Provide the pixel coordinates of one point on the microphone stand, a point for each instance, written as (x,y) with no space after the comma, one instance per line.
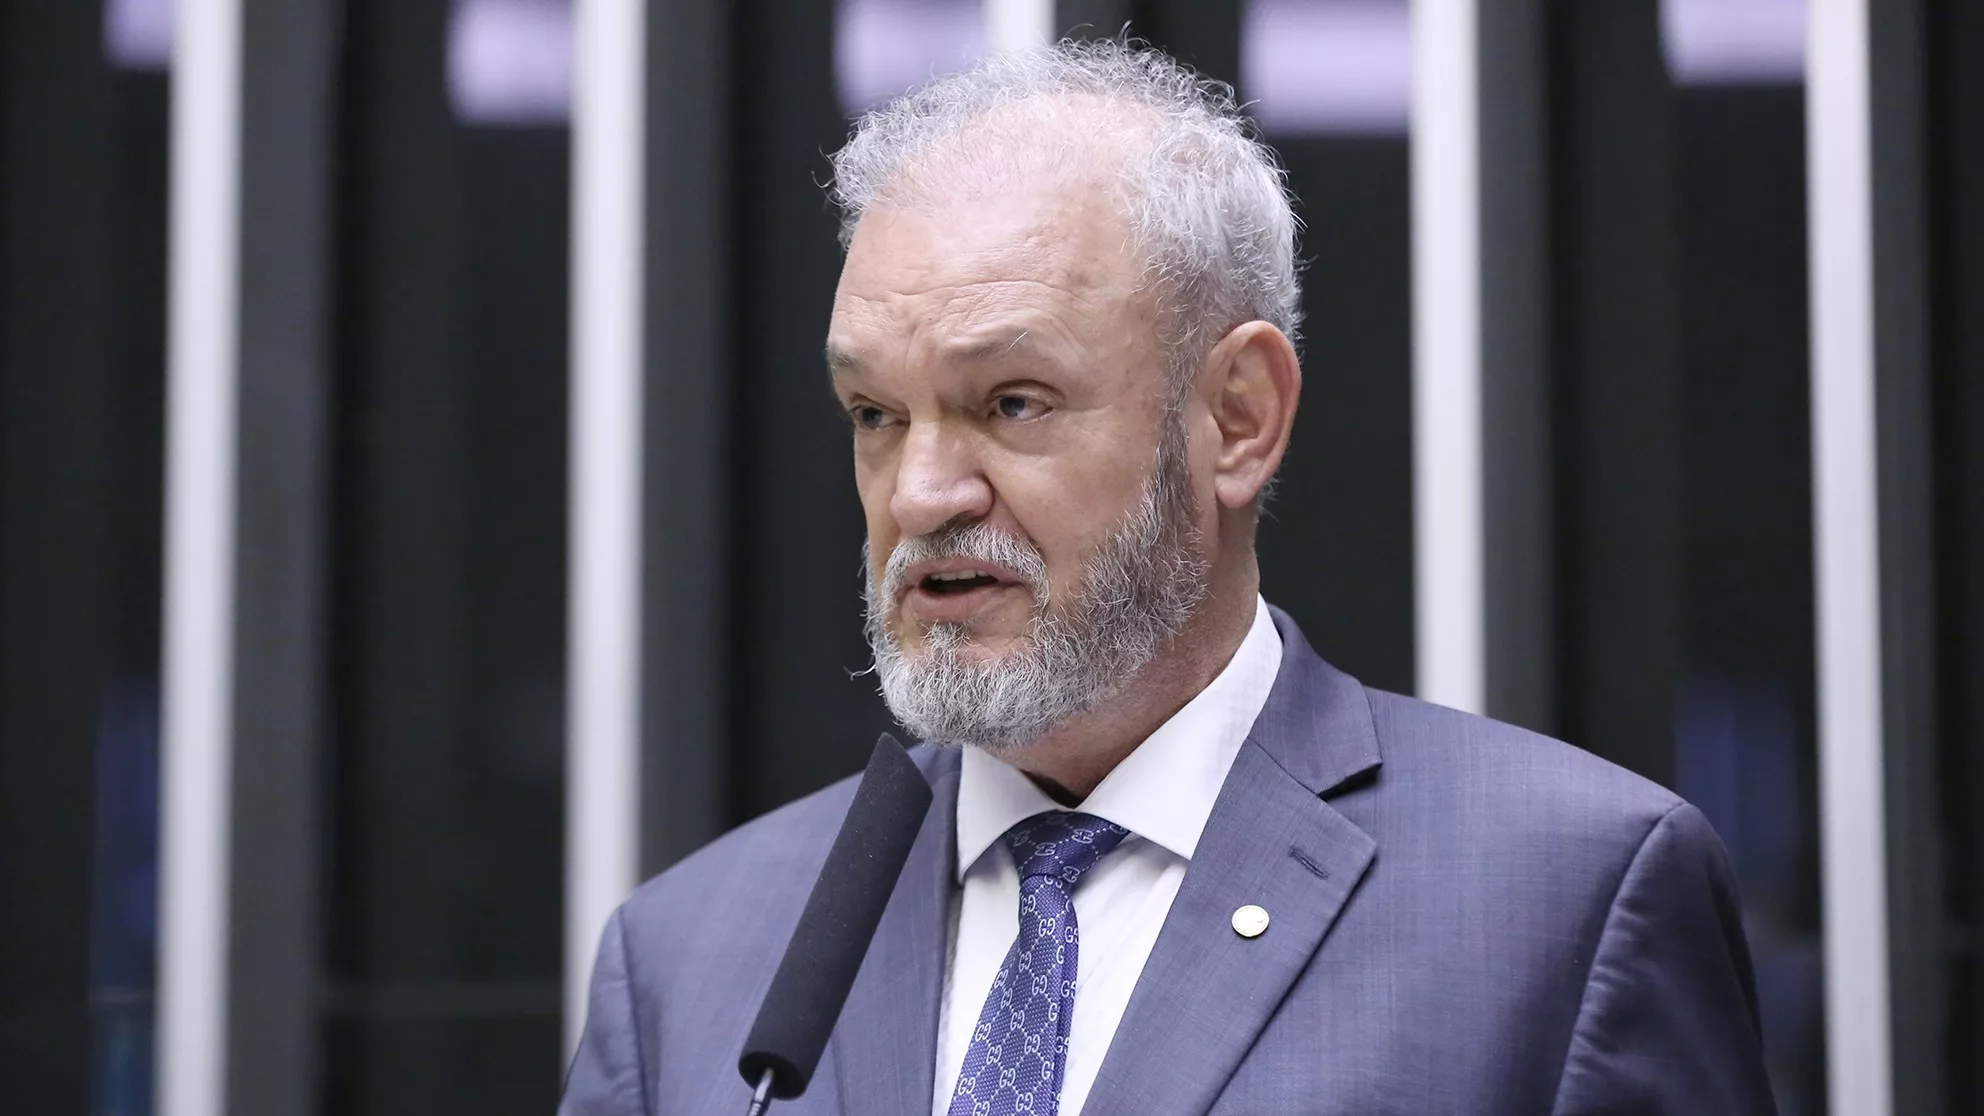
(761,1097)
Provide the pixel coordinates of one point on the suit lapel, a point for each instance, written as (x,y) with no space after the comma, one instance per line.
(885,1045)
(1206,992)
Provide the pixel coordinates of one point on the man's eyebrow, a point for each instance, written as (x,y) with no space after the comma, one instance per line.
(840,360)
(974,351)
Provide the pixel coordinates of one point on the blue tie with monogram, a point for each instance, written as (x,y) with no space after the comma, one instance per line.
(1019,1048)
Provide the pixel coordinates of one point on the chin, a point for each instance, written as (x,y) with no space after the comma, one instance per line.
(969,649)
(968,641)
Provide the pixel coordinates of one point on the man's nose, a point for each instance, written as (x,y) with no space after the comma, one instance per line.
(938,480)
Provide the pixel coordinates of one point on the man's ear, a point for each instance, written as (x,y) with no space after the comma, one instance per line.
(1254,382)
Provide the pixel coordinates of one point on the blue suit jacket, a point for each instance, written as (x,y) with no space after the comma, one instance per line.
(1467,918)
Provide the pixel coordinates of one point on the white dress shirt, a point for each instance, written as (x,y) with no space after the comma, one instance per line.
(1162,793)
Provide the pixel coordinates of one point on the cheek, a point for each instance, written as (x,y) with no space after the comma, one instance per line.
(1068,512)
(882,542)
(875,485)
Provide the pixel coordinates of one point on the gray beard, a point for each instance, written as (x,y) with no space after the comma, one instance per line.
(1136,593)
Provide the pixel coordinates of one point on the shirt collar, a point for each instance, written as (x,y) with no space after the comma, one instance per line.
(1165,789)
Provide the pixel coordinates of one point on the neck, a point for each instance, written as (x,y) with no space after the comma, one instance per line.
(1072,759)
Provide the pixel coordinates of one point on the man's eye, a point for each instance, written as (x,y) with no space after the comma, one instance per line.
(1017,407)
(869,418)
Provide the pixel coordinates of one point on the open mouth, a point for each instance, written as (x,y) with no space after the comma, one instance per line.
(958,583)
(959,591)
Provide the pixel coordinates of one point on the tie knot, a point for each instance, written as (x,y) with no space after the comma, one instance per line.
(1061,845)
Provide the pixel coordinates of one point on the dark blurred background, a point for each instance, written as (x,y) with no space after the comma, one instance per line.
(399,789)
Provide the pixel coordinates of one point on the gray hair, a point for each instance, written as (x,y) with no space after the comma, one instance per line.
(1205,199)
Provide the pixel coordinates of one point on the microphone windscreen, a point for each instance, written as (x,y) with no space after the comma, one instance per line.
(833,932)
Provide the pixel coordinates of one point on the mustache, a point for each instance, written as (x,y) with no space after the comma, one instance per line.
(967,540)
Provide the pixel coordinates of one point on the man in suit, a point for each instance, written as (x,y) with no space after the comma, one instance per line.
(1178,865)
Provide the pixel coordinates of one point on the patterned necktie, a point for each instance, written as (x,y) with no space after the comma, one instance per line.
(1020,1045)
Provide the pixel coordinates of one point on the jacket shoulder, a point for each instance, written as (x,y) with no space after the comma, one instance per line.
(760,872)
(767,857)
(1510,777)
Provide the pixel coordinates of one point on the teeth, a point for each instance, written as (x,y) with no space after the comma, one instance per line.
(962,575)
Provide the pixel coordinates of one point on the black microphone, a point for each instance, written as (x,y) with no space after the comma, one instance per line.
(832,936)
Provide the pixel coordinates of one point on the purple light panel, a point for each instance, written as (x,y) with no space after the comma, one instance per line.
(1734,42)
(137,34)
(883,47)
(1328,67)
(510,61)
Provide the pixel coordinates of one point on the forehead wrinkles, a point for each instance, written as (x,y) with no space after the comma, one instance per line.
(966,319)
(1044,236)
(957,268)
(1054,259)
(962,313)
(945,322)
(1005,208)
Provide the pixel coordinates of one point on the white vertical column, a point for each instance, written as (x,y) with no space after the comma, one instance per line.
(1846,565)
(603,697)
(1449,625)
(1018,24)
(196,756)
